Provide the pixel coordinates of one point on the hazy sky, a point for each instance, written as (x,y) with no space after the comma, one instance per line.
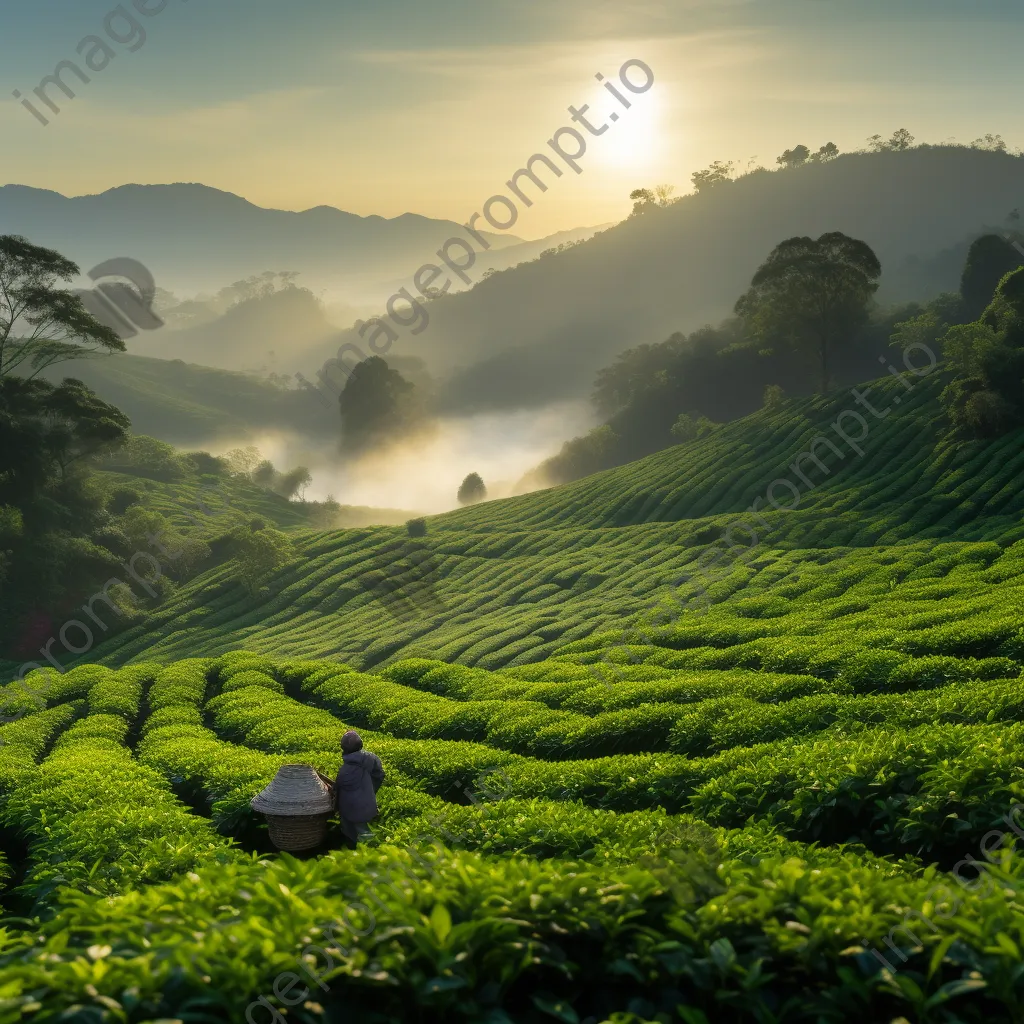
(388,106)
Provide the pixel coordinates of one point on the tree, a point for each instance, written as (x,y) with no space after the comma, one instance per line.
(794,157)
(244,462)
(377,405)
(826,154)
(989,260)
(184,554)
(39,323)
(472,490)
(987,394)
(993,143)
(774,396)
(717,174)
(146,456)
(647,199)
(46,428)
(690,428)
(258,553)
(813,293)
(901,140)
(293,482)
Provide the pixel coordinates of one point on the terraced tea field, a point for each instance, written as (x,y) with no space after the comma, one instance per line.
(634,773)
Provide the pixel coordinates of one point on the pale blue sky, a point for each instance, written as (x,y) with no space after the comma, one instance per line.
(389,106)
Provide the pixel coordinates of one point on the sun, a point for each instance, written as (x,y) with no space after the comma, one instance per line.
(634,140)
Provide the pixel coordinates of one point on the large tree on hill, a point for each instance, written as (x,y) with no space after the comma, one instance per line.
(814,293)
(41,324)
(377,405)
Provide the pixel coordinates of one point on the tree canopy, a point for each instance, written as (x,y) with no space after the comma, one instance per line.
(718,173)
(647,199)
(989,260)
(472,490)
(41,324)
(986,397)
(794,157)
(377,405)
(814,293)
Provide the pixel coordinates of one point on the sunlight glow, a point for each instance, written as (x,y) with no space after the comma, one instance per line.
(635,141)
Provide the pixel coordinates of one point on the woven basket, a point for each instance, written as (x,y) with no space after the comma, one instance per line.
(297,805)
(298,832)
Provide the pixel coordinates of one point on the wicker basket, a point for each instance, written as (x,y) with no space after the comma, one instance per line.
(297,805)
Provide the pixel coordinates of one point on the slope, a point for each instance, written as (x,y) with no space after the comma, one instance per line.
(513,581)
(189,404)
(538,332)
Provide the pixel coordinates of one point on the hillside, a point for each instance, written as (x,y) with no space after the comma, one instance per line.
(626,771)
(538,332)
(189,404)
(517,579)
(267,333)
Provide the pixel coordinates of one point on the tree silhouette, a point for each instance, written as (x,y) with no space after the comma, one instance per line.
(376,405)
(472,490)
(989,260)
(900,141)
(717,174)
(647,199)
(41,324)
(794,157)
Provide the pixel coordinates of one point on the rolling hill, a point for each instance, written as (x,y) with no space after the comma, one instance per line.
(538,332)
(634,772)
(189,404)
(518,579)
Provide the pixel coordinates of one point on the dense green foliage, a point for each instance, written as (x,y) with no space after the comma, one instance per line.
(809,298)
(986,397)
(508,879)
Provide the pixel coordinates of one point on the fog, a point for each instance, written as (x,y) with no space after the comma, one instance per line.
(422,475)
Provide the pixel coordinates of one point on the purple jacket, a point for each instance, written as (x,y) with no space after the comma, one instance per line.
(359,778)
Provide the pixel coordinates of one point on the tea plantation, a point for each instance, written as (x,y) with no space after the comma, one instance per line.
(642,765)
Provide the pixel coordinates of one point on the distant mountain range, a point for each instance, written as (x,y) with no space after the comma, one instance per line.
(537,332)
(197,239)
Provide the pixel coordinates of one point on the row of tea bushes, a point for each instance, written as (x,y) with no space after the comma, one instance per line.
(523,726)
(24,741)
(621,681)
(98,821)
(934,790)
(734,721)
(387,935)
(216,777)
(121,692)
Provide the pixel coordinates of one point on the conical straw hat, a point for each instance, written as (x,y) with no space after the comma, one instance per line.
(296,790)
